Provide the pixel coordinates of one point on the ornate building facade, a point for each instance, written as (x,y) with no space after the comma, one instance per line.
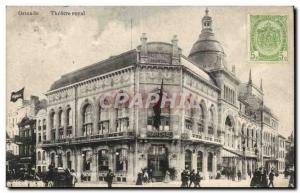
(223,132)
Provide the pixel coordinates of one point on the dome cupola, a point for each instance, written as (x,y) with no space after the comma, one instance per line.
(207,51)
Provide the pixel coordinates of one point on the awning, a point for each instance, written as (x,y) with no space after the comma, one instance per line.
(226,153)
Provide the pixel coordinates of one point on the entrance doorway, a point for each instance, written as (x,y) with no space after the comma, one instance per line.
(158,161)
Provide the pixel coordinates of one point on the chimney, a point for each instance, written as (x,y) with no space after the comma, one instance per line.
(144,52)
(175,53)
(233,69)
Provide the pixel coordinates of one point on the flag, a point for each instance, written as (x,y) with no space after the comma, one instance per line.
(157,108)
(17,95)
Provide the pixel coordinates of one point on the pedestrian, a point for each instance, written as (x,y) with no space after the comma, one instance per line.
(150,175)
(74,178)
(292,179)
(239,174)
(271,178)
(109,178)
(184,178)
(139,180)
(167,177)
(250,173)
(145,176)
(198,179)
(264,180)
(192,178)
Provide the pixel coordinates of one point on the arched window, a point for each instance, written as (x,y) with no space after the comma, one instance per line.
(188,159)
(52,159)
(69,161)
(60,124)
(121,160)
(122,116)
(39,125)
(201,120)
(69,117)
(44,156)
(39,156)
(211,122)
(229,129)
(44,124)
(87,120)
(52,120)
(102,160)
(87,159)
(53,132)
(189,113)
(199,161)
(209,161)
(103,114)
(59,160)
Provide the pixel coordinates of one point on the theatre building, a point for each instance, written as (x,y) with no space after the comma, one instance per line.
(84,136)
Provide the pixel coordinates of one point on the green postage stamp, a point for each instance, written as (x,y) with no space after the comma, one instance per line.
(268,38)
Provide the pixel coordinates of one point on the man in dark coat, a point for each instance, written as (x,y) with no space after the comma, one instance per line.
(198,178)
(264,180)
(109,178)
(239,174)
(271,178)
(192,178)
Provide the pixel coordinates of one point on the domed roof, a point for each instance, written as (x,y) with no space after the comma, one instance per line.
(206,43)
(207,50)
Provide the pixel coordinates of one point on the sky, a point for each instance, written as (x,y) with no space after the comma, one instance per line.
(43,47)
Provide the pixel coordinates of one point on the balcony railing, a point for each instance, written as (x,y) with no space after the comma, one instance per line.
(160,134)
(90,138)
(199,136)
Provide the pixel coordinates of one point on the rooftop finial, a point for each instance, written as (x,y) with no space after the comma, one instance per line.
(206,11)
(174,39)
(250,77)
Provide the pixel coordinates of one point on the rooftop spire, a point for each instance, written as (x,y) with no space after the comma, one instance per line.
(206,22)
(250,77)
(206,12)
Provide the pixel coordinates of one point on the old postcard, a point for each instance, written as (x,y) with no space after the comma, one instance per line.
(150,97)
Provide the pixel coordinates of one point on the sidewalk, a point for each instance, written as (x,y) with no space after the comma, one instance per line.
(278,182)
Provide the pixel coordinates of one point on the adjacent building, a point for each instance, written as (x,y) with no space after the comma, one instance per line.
(231,129)
(22,133)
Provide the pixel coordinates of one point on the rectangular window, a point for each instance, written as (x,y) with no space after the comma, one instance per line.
(69,131)
(201,126)
(87,129)
(53,134)
(61,133)
(40,138)
(188,125)
(103,127)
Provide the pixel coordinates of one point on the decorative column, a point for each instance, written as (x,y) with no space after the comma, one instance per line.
(64,159)
(130,172)
(64,118)
(214,166)
(79,162)
(96,119)
(56,124)
(194,160)
(205,173)
(94,165)
(73,158)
